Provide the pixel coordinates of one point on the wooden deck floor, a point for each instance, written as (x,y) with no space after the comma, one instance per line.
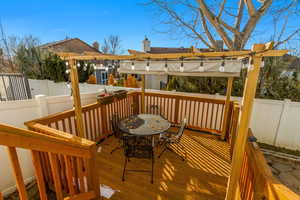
(202,176)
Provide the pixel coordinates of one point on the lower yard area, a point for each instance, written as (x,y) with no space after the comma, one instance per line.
(203,175)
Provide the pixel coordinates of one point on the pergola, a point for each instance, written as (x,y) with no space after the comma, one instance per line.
(255,56)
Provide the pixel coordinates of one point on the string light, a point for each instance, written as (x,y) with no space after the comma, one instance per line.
(132,66)
(181,66)
(222,68)
(148,66)
(245,63)
(67,63)
(166,66)
(78,64)
(106,68)
(201,67)
(85,67)
(67,71)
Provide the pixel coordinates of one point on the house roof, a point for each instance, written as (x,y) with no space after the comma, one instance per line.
(73,45)
(157,50)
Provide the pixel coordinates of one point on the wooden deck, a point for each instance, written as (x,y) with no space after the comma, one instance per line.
(202,176)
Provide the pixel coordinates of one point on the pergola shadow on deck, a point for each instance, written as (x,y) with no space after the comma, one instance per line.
(203,175)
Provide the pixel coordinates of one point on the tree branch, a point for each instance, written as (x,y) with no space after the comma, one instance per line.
(239,15)
(251,24)
(250,7)
(287,38)
(207,32)
(173,14)
(212,19)
(221,9)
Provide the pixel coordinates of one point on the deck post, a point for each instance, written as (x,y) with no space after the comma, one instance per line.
(76,98)
(143,92)
(227,106)
(243,125)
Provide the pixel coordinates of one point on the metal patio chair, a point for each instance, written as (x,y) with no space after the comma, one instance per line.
(138,147)
(118,134)
(170,138)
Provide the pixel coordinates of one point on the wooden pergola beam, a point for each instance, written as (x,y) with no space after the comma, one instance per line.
(146,56)
(233,191)
(76,98)
(227,106)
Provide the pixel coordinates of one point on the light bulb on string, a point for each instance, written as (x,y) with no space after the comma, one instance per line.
(201,67)
(222,67)
(245,63)
(181,66)
(148,66)
(85,67)
(78,64)
(132,66)
(67,71)
(106,68)
(166,66)
(67,63)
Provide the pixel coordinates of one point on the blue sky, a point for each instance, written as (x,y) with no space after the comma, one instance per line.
(90,20)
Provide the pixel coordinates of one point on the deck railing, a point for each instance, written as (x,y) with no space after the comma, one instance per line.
(202,114)
(96,117)
(61,161)
(257,181)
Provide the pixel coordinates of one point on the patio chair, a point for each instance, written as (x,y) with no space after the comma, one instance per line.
(117,132)
(170,138)
(141,148)
(154,109)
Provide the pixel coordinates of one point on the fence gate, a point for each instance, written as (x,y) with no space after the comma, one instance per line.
(14,87)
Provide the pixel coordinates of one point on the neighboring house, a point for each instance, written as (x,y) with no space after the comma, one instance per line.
(76,45)
(293,67)
(72,45)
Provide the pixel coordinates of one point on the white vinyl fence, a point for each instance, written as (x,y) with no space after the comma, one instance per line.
(273,122)
(16,113)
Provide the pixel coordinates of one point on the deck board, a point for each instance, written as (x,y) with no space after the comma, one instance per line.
(202,176)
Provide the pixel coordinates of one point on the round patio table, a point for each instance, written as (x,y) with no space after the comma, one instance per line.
(144,125)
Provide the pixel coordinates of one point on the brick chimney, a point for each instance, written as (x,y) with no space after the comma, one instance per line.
(146,45)
(96,45)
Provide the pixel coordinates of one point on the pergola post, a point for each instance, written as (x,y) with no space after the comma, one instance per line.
(143,92)
(76,98)
(233,190)
(227,106)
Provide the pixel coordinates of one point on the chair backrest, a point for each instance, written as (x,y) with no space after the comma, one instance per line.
(181,130)
(154,109)
(138,147)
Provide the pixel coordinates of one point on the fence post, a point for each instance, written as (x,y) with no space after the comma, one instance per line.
(283,116)
(43,106)
(27,87)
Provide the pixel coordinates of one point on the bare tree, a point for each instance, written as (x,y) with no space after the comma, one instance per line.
(112,45)
(206,21)
(7,54)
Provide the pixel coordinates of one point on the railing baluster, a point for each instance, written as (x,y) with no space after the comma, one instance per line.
(17,172)
(69,175)
(56,176)
(36,159)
